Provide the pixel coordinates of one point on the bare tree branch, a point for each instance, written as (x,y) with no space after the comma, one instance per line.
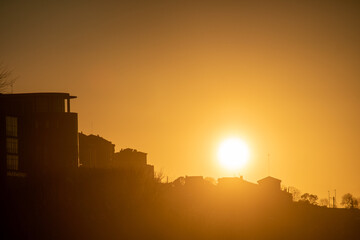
(5,79)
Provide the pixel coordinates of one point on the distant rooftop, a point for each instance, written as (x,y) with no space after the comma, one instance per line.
(128,150)
(269,179)
(95,137)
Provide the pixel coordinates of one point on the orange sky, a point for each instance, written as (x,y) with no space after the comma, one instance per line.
(174,78)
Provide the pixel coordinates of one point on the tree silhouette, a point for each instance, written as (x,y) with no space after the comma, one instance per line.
(348,201)
(324,202)
(309,198)
(159,176)
(5,80)
(296,193)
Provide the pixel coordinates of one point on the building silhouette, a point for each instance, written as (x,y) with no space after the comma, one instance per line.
(268,189)
(270,183)
(194,181)
(131,160)
(95,151)
(130,156)
(235,181)
(271,191)
(38,135)
(98,153)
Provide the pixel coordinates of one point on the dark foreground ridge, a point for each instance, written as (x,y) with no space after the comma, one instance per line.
(59,184)
(104,204)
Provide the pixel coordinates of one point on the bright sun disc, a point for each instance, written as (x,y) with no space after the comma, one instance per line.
(233,154)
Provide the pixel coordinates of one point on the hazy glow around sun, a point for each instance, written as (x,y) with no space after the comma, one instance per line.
(233,153)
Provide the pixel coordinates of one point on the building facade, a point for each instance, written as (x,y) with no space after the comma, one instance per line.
(38,135)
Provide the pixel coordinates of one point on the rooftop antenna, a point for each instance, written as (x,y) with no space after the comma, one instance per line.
(334,201)
(268,164)
(329,199)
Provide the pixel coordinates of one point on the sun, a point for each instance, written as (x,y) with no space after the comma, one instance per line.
(233,154)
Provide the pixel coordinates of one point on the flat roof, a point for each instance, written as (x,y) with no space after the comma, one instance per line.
(42,94)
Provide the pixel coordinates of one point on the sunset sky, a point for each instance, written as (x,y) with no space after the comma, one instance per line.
(176,78)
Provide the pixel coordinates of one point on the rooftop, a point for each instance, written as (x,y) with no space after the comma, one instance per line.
(269,179)
(39,94)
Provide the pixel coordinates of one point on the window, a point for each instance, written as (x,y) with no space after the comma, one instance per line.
(12,145)
(12,162)
(11,126)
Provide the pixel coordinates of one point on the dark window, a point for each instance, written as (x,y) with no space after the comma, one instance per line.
(11,126)
(12,162)
(12,145)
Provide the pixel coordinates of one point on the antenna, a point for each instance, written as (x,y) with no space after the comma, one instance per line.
(329,199)
(334,201)
(268,164)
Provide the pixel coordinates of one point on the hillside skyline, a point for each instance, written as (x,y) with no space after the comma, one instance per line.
(176,79)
